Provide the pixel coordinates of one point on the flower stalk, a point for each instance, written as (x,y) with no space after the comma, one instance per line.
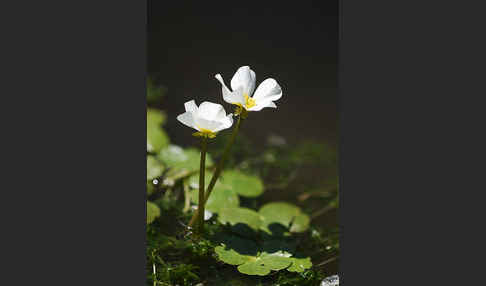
(216,174)
(202,168)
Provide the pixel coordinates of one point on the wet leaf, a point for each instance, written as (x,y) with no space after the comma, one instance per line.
(243,184)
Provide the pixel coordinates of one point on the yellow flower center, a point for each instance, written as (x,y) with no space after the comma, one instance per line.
(249,102)
(204,133)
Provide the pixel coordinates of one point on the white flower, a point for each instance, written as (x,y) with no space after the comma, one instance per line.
(243,85)
(209,118)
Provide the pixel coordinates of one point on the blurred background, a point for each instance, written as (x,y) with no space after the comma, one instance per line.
(190,42)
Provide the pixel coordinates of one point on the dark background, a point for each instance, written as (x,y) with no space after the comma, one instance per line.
(190,42)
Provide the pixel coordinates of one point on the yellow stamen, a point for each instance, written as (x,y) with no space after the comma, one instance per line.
(249,102)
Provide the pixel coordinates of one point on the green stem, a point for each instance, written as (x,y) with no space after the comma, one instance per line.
(202,168)
(218,170)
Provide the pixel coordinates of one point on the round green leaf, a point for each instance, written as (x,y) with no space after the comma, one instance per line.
(300,264)
(153,212)
(300,223)
(235,250)
(237,215)
(230,256)
(243,184)
(263,264)
(283,214)
(274,255)
(154,168)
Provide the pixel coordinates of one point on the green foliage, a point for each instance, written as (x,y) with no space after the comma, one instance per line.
(252,259)
(300,264)
(154,168)
(284,214)
(274,238)
(240,218)
(153,212)
(222,196)
(156,137)
(180,160)
(243,184)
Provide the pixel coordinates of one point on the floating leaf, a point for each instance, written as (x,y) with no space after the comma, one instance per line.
(263,264)
(281,213)
(181,160)
(237,216)
(300,264)
(153,212)
(244,252)
(243,184)
(156,137)
(154,168)
(251,260)
(236,251)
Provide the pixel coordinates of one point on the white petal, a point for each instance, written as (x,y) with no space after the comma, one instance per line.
(211,111)
(244,78)
(260,105)
(210,125)
(187,119)
(226,122)
(190,106)
(229,96)
(268,90)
